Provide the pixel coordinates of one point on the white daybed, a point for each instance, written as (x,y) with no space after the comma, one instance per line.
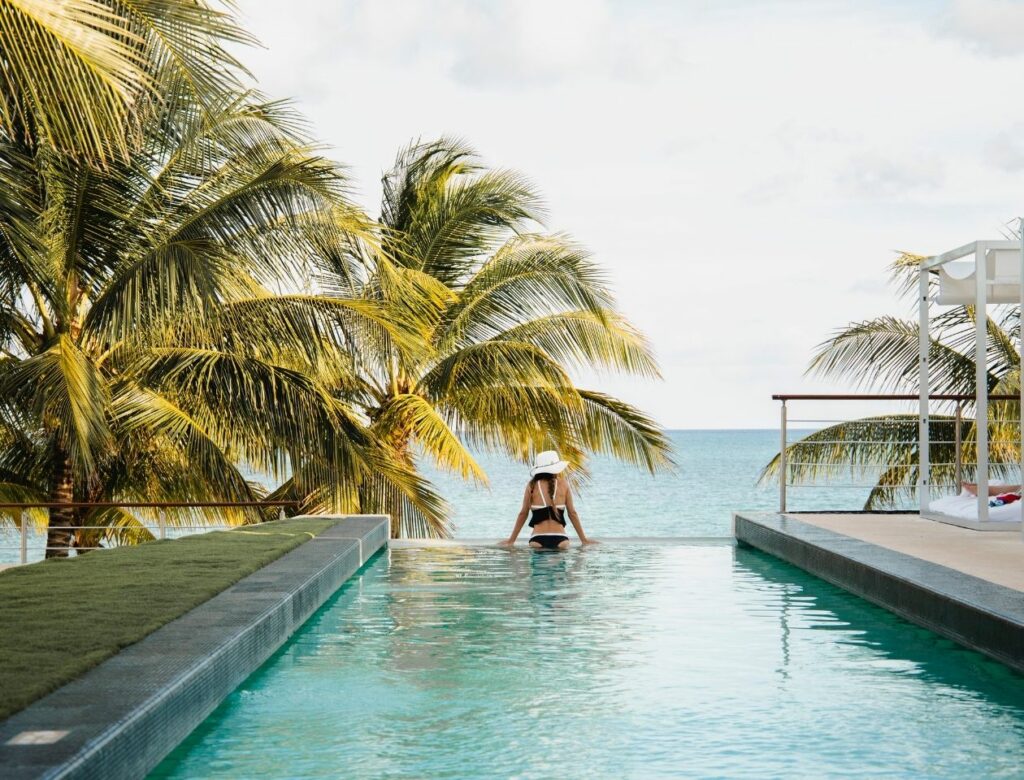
(962,510)
(975,274)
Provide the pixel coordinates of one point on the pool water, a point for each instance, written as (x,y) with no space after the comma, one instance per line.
(620,660)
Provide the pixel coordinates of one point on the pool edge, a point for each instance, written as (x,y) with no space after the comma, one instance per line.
(973,612)
(125,715)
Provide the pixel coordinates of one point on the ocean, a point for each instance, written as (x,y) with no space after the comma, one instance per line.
(716,475)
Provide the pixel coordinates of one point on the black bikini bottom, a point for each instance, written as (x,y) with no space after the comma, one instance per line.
(549,541)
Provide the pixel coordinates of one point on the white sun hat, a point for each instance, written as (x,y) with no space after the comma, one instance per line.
(547,462)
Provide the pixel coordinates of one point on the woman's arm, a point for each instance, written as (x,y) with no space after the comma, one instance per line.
(570,507)
(993,490)
(524,510)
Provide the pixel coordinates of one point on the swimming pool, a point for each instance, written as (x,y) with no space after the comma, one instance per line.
(613,661)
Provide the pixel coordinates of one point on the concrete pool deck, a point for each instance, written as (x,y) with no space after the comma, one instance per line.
(963,584)
(996,556)
(121,718)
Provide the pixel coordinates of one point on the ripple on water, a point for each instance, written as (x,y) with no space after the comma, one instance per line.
(639,661)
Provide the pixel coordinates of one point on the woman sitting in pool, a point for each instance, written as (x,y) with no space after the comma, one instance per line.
(547,500)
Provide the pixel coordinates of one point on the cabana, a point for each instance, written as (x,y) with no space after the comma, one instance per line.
(976,274)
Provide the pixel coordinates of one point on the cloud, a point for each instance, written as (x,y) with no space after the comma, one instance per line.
(871,174)
(1005,150)
(873,285)
(514,45)
(741,169)
(773,188)
(994,27)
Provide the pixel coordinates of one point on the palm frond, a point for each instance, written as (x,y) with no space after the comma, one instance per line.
(63,389)
(581,339)
(113,525)
(883,353)
(79,75)
(408,417)
(491,365)
(529,276)
(613,427)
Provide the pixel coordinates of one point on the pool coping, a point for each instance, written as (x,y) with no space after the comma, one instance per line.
(522,542)
(972,611)
(121,718)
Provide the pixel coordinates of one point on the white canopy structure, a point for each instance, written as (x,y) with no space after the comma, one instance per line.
(975,274)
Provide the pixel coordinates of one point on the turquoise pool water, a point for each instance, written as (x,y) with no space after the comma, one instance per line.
(681,660)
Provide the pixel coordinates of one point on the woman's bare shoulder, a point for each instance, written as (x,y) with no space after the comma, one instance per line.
(563,488)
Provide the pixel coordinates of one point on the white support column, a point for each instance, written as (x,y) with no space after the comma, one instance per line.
(1020,352)
(924,388)
(981,374)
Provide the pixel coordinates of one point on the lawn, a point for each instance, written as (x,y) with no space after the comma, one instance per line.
(60,618)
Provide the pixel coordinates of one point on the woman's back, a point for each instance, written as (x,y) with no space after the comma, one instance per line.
(547,493)
(547,504)
(547,501)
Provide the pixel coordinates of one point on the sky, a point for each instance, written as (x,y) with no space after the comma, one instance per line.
(745,171)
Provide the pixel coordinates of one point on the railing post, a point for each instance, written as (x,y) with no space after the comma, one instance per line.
(24,536)
(783,476)
(1020,351)
(958,460)
(981,374)
(924,389)
(162,523)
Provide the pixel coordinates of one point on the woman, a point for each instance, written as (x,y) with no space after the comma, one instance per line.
(547,500)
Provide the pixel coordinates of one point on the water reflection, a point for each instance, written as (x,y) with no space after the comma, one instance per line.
(628,661)
(805,604)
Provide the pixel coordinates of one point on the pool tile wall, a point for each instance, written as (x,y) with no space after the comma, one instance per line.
(121,718)
(976,613)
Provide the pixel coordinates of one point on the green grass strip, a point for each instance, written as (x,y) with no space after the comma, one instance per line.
(60,618)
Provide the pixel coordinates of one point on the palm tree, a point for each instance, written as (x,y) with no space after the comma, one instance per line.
(881,355)
(145,355)
(502,315)
(81,76)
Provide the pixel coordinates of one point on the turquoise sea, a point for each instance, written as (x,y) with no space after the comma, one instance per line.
(717,474)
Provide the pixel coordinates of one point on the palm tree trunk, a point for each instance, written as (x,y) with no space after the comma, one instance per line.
(59,535)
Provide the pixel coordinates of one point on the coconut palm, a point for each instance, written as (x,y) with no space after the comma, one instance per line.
(881,355)
(503,315)
(80,76)
(145,356)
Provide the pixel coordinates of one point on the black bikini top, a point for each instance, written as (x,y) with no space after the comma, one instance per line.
(538,514)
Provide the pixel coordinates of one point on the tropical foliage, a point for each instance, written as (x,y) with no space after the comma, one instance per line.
(81,76)
(881,355)
(501,316)
(187,295)
(146,358)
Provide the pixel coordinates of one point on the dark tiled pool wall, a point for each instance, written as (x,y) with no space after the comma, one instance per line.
(124,716)
(974,612)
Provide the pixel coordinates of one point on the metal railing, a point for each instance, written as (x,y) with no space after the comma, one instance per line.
(956,404)
(158,530)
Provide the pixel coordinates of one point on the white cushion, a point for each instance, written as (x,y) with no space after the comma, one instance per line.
(965,507)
